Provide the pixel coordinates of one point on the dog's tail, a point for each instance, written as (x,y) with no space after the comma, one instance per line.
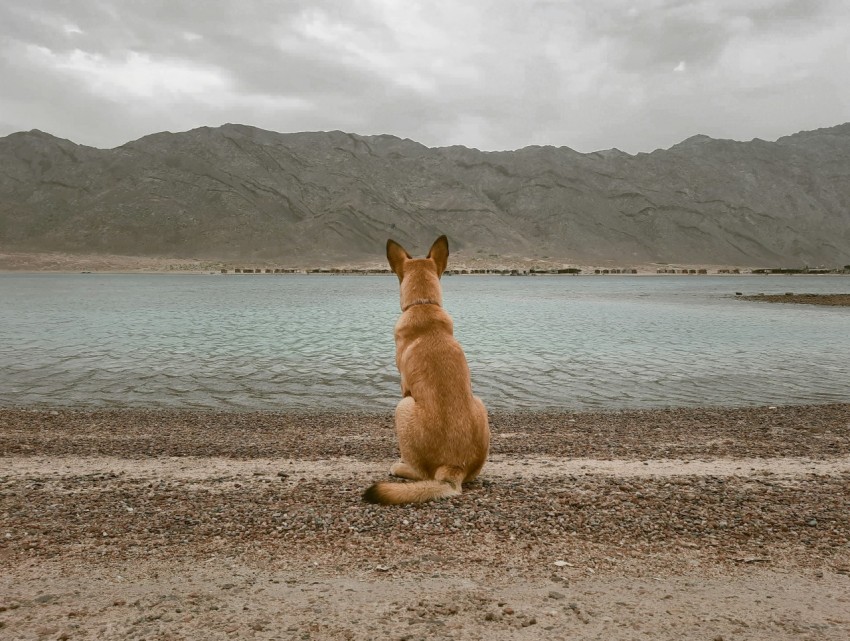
(446,482)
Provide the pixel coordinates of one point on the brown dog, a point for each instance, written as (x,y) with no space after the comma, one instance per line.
(443,434)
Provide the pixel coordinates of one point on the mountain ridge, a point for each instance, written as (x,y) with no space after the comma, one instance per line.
(238,192)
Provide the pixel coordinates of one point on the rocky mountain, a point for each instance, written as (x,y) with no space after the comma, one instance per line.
(237,192)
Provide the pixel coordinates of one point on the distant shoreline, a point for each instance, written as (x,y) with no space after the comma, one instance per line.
(58,262)
(830,300)
(376,272)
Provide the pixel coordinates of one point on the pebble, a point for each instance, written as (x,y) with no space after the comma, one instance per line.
(46,631)
(44,599)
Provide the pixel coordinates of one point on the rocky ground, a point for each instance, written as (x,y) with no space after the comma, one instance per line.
(676,524)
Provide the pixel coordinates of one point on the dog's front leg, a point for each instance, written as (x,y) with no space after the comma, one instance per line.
(405,390)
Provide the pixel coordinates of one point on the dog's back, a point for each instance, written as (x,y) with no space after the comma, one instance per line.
(442,427)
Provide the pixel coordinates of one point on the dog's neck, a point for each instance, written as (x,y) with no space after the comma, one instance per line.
(420,301)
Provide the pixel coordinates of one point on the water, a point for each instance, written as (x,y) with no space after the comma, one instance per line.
(325,342)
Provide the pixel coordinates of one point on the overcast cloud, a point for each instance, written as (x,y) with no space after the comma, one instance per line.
(588,74)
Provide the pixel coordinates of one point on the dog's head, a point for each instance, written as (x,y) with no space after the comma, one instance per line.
(419,278)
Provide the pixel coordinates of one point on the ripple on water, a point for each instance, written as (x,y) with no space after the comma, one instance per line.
(319,342)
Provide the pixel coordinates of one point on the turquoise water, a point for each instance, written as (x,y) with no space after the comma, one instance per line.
(317,342)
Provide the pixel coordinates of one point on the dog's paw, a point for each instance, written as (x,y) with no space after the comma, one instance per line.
(404,471)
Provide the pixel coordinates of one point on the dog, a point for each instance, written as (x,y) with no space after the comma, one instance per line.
(443,431)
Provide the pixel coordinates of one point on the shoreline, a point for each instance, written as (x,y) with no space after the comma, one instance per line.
(738,431)
(830,300)
(61,263)
(687,523)
(461,272)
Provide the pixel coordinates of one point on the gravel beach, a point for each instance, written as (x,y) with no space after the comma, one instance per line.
(669,524)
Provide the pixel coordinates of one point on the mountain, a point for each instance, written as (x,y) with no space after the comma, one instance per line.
(238,192)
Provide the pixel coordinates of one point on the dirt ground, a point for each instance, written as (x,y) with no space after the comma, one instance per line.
(676,524)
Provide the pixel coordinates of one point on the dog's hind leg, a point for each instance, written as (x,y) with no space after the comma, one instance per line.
(406,471)
(451,475)
(408,429)
(484,434)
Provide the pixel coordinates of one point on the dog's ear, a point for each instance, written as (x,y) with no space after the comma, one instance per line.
(440,254)
(396,255)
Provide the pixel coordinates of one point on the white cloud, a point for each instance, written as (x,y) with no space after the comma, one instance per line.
(354,47)
(398,43)
(132,75)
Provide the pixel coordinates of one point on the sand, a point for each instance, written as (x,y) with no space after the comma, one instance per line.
(677,524)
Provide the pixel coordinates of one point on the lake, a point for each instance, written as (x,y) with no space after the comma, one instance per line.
(322,342)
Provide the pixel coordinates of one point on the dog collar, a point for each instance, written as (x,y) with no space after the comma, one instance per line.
(421,301)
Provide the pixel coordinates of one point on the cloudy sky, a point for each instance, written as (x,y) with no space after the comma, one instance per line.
(588,74)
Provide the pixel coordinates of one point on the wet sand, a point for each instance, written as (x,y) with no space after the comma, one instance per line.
(674,524)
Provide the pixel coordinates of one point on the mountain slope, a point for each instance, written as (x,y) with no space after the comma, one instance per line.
(240,192)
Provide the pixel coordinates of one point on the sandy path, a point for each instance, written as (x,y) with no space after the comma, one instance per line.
(221,600)
(498,467)
(183,525)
